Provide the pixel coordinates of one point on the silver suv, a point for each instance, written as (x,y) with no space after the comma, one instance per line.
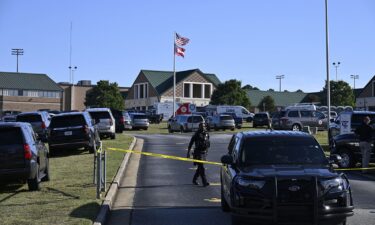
(185,123)
(221,121)
(296,119)
(104,120)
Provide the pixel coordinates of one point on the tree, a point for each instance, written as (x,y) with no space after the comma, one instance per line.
(230,93)
(267,104)
(341,94)
(271,89)
(105,94)
(299,90)
(312,98)
(249,87)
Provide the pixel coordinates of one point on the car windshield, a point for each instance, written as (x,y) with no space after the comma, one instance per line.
(100,115)
(67,121)
(29,118)
(260,116)
(226,117)
(139,117)
(282,150)
(10,136)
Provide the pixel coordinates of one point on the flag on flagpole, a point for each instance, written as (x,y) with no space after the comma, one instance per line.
(181,40)
(179,51)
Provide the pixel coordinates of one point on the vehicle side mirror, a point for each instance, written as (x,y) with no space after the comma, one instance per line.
(332,120)
(335,159)
(227,159)
(337,121)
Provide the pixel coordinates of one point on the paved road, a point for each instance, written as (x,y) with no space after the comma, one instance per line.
(159,191)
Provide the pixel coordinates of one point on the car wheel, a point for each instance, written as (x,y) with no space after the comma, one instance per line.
(216,128)
(296,127)
(33,183)
(170,129)
(46,171)
(182,129)
(224,204)
(232,129)
(113,136)
(254,126)
(347,160)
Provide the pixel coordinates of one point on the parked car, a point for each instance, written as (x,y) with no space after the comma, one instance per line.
(238,120)
(283,177)
(9,118)
(343,140)
(261,119)
(185,123)
(75,130)
(296,119)
(22,156)
(39,121)
(104,121)
(153,117)
(139,121)
(276,119)
(222,121)
(123,120)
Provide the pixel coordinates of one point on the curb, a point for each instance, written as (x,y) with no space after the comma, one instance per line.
(106,206)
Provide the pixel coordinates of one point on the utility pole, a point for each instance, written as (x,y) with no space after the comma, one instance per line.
(279,77)
(354,77)
(17,52)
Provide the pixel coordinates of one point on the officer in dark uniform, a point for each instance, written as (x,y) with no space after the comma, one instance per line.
(201,140)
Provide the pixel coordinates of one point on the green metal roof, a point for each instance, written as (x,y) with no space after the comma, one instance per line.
(163,80)
(281,98)
(27,81)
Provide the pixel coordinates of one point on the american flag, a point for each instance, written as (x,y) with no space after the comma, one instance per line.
(181,40)
(179,51)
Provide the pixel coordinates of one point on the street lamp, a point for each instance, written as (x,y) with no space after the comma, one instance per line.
(354,77)
(279,77)
(72,69)
(336,65)
(17,52)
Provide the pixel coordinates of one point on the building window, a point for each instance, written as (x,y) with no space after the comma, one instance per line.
(10,92)
(207,91)
(197,90)
(187,90)
(141,91)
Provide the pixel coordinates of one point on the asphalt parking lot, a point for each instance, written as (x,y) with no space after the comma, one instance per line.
(159,191)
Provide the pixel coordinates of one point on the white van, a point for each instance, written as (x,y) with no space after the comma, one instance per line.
(240,111)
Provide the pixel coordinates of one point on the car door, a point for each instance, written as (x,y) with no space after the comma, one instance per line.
(230,171)
(37,144)
(306,118)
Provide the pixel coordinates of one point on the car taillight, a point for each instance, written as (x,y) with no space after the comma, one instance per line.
(122,120)
(43,125)
(27,151)
(86,129)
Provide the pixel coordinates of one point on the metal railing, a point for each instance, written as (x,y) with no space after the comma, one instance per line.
(99,172)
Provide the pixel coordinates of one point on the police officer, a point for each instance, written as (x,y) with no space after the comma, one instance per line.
(364,131)
(201,140)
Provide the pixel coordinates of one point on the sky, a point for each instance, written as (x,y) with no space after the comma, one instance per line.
(248,40)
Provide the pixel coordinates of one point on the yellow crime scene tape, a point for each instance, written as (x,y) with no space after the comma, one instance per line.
(202,161)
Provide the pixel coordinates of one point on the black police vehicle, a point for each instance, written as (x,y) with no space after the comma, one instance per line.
(282,177)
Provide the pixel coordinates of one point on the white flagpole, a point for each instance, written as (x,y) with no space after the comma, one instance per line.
(174,74)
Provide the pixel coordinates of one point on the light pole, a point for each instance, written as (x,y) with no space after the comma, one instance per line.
(17,52)
(72,69)
(279,77)
(327,65)
(336,65)
(354,77)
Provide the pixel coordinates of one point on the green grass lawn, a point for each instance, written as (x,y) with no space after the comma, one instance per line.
(69,198)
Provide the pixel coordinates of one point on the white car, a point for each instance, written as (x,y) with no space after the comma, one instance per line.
(104,121)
